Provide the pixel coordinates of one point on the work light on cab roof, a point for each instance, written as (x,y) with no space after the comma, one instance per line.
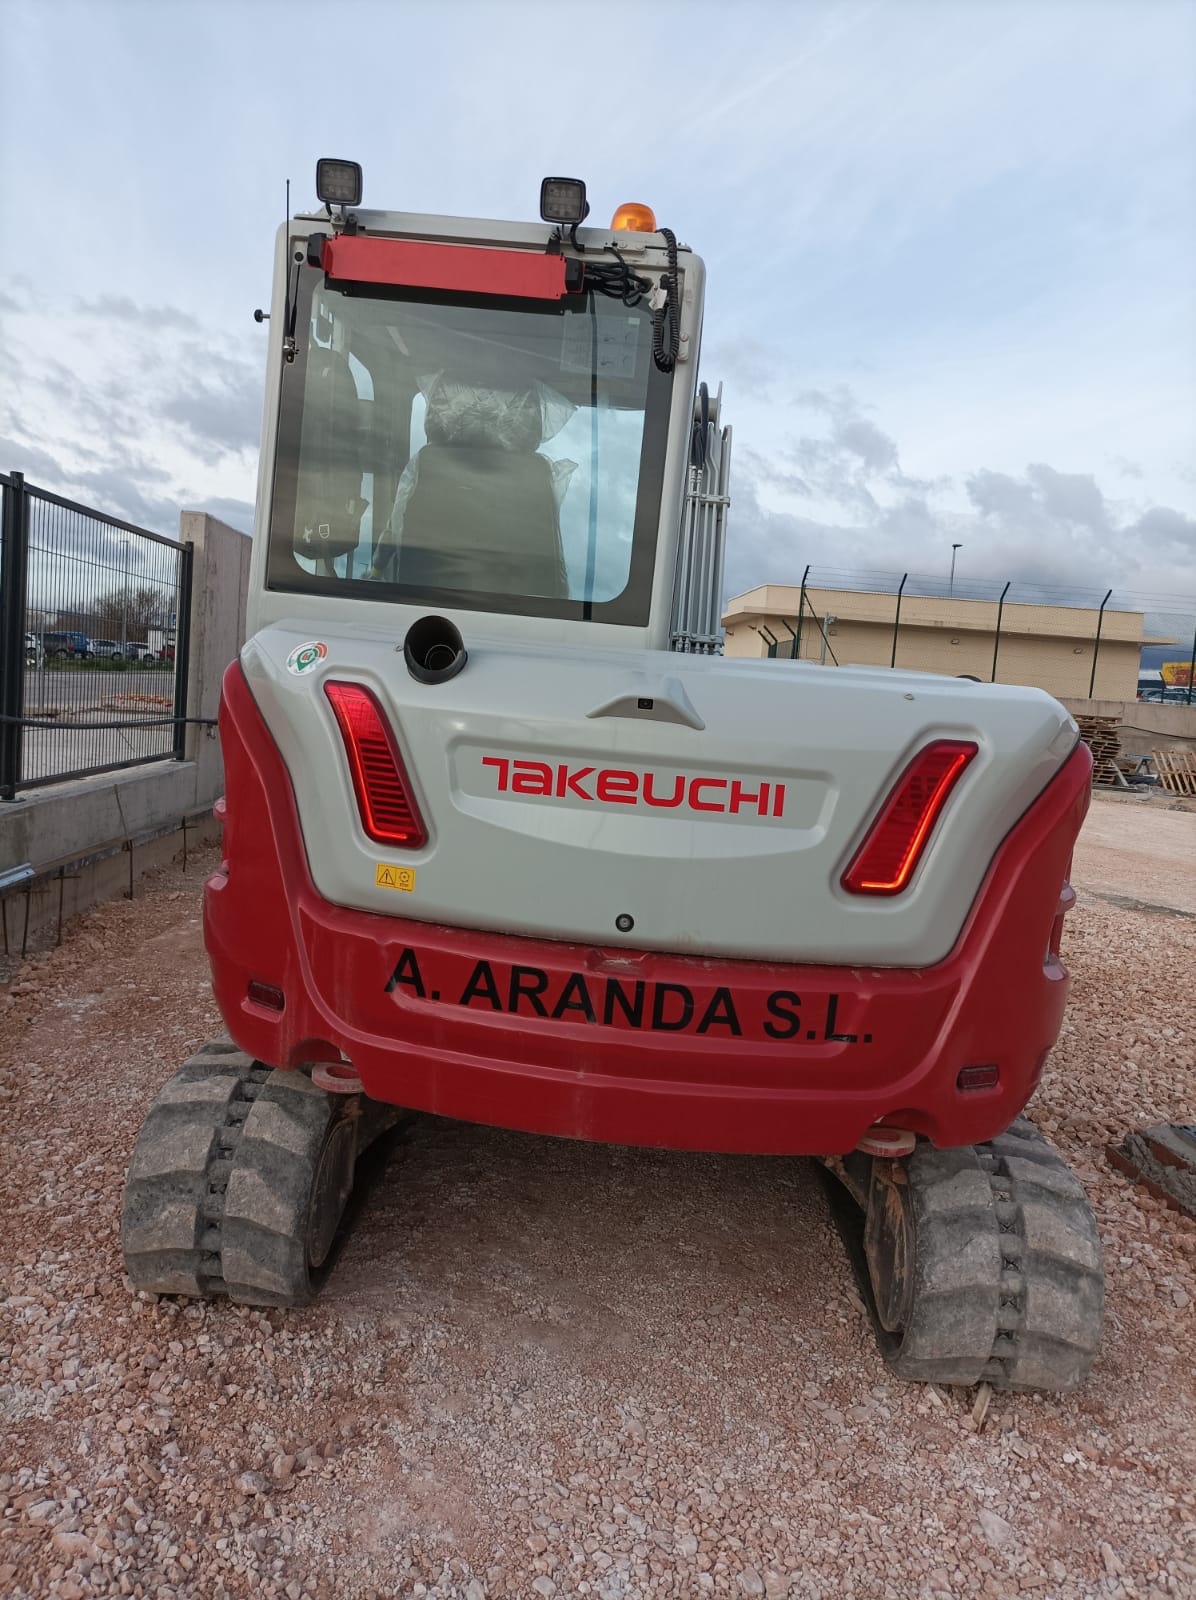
(338,183)
(563,201)
(506,840)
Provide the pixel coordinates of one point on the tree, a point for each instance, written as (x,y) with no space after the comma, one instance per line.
(136,609)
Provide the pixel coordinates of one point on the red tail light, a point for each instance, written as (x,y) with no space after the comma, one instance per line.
(885,861)
(388,813)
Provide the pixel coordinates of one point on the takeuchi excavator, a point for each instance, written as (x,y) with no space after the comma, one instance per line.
(507,839)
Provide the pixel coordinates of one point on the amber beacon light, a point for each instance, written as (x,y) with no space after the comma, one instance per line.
(634,218)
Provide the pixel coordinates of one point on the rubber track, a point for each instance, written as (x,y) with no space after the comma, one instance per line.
(1051,1299)
(1008,1287)
(218,1191)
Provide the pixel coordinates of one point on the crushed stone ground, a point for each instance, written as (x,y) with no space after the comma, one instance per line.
(544,1368)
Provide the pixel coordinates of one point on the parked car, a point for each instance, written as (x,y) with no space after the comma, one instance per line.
(166,653)
(33,649)
(106,649)
(66,645)
(1171,695)
(138,650)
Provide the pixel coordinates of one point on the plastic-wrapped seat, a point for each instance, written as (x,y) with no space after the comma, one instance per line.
(477,507)
(484,520)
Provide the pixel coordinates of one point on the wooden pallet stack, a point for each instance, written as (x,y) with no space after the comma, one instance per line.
(1101,736)
(1176,770)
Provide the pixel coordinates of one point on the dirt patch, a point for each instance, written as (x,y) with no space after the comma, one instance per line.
(1139,850)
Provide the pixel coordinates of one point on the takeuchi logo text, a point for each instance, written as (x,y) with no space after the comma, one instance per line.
(620,786)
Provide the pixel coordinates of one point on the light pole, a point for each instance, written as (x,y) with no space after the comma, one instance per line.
(951,584)
(124,606)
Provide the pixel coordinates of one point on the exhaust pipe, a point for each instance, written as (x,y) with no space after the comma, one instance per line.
(434,650)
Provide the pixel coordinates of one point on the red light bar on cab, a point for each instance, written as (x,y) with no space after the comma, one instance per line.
(384,800)
(885,862)
(453,268)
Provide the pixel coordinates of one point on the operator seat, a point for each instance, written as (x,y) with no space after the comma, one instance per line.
(480,511)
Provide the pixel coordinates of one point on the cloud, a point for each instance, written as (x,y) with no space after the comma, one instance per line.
(874,448)
(1169,529)
(137,492)
(746,365)
(1042,500)
(1071,497)
(219,416)
(119,308)
(997,494)
(853,464)
(139,410)
(850,511)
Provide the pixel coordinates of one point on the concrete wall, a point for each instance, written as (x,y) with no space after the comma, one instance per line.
(218,595)
(145,806)
(1145,725)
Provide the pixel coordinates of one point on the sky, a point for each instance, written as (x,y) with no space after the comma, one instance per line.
(950,246)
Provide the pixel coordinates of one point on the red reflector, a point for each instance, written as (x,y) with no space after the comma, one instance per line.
(978,1078)
(265,994)
(886,860)
(388,813)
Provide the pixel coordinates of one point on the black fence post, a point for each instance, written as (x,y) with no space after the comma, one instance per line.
(182,650)
(1000,614)
(795,653)
(1192,670)
(14,562)
(897,619)
(1100,617)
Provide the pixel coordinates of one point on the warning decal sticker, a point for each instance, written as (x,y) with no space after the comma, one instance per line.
(387,876)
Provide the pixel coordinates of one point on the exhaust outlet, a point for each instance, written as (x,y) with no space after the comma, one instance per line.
(434,650)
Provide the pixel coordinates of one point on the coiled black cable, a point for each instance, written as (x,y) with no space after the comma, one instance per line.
(665,348)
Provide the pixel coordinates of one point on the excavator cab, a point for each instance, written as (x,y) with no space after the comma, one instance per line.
(493,428)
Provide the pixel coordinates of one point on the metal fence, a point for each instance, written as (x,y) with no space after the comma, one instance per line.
(813,631)
(94,616)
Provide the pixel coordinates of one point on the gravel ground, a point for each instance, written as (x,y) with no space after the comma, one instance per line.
(543,1368)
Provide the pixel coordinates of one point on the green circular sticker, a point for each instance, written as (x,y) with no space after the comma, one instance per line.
(307,655)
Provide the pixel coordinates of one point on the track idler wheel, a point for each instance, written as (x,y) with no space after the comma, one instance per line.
(239,1180)
(980,1264)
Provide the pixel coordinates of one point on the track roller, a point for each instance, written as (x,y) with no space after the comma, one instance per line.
(239,1179)
(979,1265)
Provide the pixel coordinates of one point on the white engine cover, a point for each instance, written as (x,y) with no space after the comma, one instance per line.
(719,819)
